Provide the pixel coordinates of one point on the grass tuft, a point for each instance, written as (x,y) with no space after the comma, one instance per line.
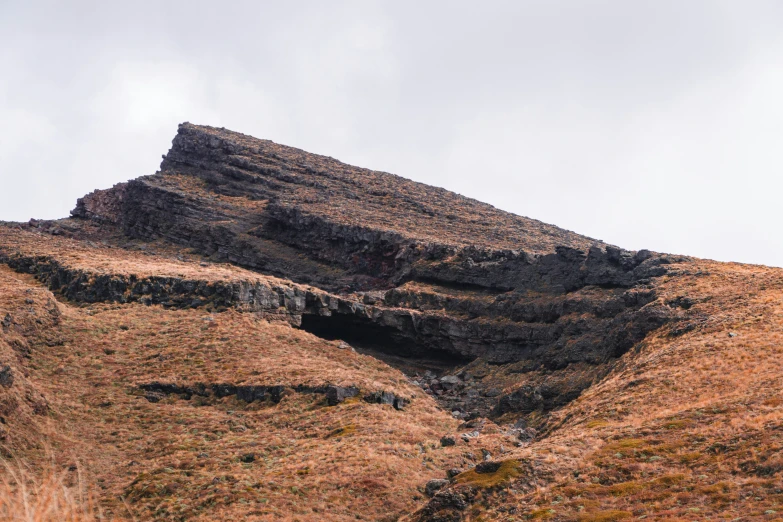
(508,469)
(25,497)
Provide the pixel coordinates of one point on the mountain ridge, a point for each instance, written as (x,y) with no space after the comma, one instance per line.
(256,286)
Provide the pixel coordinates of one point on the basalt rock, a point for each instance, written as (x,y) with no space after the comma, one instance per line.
(155,391)
(385,397)
(434,485)
(240,199)
(391,266)
(6,376)
(447,505)
(101,205)
(337,394)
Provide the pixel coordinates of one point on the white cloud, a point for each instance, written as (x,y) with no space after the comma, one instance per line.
(143,97)
(649,125)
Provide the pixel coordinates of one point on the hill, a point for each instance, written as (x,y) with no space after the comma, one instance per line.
(261,333)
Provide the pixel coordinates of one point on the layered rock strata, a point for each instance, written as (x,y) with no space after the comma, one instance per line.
(382,262)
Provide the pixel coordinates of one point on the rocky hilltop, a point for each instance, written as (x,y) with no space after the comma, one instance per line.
(246,276)
(423,272)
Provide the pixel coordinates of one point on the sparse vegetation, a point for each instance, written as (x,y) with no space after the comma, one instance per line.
(27,497)
(505,471)
(207,410)
(705,437)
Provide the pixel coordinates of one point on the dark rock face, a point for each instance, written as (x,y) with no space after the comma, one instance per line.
(411,330)
(155,391)
(488,467)
(6,376)
(101,205)
(434,485)
(446,505)
(398,403)
(447,440)
(176,292)
(242,199)
(396,266)
(337,394)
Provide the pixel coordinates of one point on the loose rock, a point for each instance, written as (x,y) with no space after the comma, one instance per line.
(337,394)
(434,485)
(447,440)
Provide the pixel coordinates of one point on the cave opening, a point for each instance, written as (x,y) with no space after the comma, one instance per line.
(385,343)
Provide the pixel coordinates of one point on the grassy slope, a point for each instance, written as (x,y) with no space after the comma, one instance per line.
(688,426)
(182,459)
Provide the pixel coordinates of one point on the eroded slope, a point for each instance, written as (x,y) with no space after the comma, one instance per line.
(688,426)
(431,274)
(258,332)
(81,392)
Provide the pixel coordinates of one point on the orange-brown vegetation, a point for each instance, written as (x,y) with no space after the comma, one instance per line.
(687,426)
(634,385)
(185,459)
(49,497)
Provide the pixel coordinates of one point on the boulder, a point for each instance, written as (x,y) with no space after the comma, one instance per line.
(337,394)
(447,440)
(435,485)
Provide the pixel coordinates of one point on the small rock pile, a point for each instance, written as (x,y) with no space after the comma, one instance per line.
(460,394)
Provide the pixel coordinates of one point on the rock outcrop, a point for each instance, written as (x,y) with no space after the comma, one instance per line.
(381,262)
(214,341)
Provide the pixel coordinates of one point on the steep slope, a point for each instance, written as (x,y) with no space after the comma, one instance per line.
(442,275)
(184,413)
(261,333)
(689,425)
(240,199)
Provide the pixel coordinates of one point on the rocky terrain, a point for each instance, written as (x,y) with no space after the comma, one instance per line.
(259,332)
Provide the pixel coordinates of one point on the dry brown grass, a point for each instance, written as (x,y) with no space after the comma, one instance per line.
(29,497)
(104,259)
(388,202)
(688,426)
(185,459)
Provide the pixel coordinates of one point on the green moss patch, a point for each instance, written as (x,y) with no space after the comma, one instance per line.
(488,475)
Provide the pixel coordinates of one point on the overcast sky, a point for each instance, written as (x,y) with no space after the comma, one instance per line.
(648,124)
